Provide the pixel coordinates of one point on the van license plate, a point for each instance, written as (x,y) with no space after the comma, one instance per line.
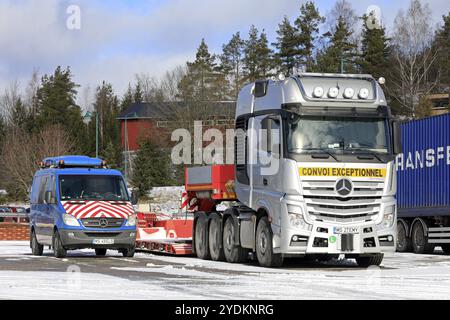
(348,230)
(103,241)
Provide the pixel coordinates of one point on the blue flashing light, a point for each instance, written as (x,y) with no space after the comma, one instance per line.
(73,161)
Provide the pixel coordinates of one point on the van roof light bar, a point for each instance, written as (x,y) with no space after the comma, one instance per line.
(72,162)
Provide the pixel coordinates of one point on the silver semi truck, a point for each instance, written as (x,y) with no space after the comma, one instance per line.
(313,175)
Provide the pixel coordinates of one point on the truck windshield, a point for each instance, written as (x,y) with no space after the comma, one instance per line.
(92,187)
(337,135)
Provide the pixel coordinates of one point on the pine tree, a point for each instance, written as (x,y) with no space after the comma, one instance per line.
(375,50)
(308,27)
(151,167)
(257,56)
(127,99)
(442,42)
(287,45)
(138,94)
(340,53)
(232,64)
(56,105)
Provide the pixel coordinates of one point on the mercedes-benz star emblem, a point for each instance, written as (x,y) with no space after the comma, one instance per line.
(343,187)
(103,223)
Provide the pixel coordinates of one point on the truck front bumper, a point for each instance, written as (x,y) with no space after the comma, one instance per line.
(81,239)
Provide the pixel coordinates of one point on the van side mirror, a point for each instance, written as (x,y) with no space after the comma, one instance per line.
(134,197)
(49,197)
(397,137)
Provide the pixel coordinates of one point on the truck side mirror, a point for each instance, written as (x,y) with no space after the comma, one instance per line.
(270,124)
(397,137)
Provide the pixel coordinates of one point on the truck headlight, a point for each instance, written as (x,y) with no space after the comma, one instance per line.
(388,218)
(131,222)
(70,220)
(295,214)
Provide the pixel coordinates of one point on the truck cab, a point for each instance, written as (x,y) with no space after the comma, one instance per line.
(76,202)
(324,177)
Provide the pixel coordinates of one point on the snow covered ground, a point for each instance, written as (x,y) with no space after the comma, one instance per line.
(146,276)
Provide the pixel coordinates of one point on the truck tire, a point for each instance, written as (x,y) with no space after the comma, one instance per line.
(446,248)
(365,262)
(100,252)
(215,238)
(128,252)
(36,248)
(419,239)
(264,247)
(58,248)
(233,253)
(403,240)
(201,238)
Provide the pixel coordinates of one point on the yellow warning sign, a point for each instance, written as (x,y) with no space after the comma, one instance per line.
(343,172)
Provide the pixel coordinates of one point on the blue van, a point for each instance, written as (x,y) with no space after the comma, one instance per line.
(76,202)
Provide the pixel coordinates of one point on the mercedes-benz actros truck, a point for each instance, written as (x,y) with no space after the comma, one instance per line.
(313,174)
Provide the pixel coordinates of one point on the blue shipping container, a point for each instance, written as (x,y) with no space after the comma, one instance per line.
(423,170)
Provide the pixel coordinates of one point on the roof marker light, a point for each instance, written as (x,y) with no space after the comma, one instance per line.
(381,80)
(348,93)
(363,93)
(318,92)
(333,92)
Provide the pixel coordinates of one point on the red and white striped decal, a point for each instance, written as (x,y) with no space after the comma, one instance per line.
(185,205)
(98,209)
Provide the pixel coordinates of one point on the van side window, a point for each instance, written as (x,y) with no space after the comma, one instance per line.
(51,186)
(35,190)
(42,189)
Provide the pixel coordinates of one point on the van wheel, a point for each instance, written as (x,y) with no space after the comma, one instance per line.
(403,241)
(100,252)
(446,248)
(233,253)
(58,248)
(36,248)
(215,238)
(264,247)
(420,240)
(201,238)
(128,252)
(365,262)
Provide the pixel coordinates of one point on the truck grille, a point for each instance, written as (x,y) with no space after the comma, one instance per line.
(323,203)
(98,223)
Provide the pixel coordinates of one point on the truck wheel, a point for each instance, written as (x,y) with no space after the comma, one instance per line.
(365,262)
(264,247)
(127,252)
(201,236)
(215,238)
(36,248)
(58,248)
(233,253)
(403,241)
(100,252)
(420,240)
(446,248)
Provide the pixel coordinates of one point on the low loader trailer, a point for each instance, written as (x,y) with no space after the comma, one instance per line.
(313,175)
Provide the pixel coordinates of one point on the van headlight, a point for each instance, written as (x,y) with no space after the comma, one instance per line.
(388,218)
(70,220)
(296,220)
(131,222)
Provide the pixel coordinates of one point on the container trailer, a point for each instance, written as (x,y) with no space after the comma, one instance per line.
(423,170)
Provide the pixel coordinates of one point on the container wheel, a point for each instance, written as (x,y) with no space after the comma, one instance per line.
(264,247)
(201,238)
(403,241)
(36,248)
(58,248)
(365,262)
(215,238)
(233,253)
(100,252)
(419,239)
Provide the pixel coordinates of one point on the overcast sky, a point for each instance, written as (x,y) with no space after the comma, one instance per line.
(118,39)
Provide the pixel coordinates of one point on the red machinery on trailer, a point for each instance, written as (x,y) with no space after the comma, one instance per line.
(205,187)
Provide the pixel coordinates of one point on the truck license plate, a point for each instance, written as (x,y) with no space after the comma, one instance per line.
(103,241)
(347,230)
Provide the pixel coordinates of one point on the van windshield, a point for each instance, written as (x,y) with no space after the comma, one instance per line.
(92,187)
